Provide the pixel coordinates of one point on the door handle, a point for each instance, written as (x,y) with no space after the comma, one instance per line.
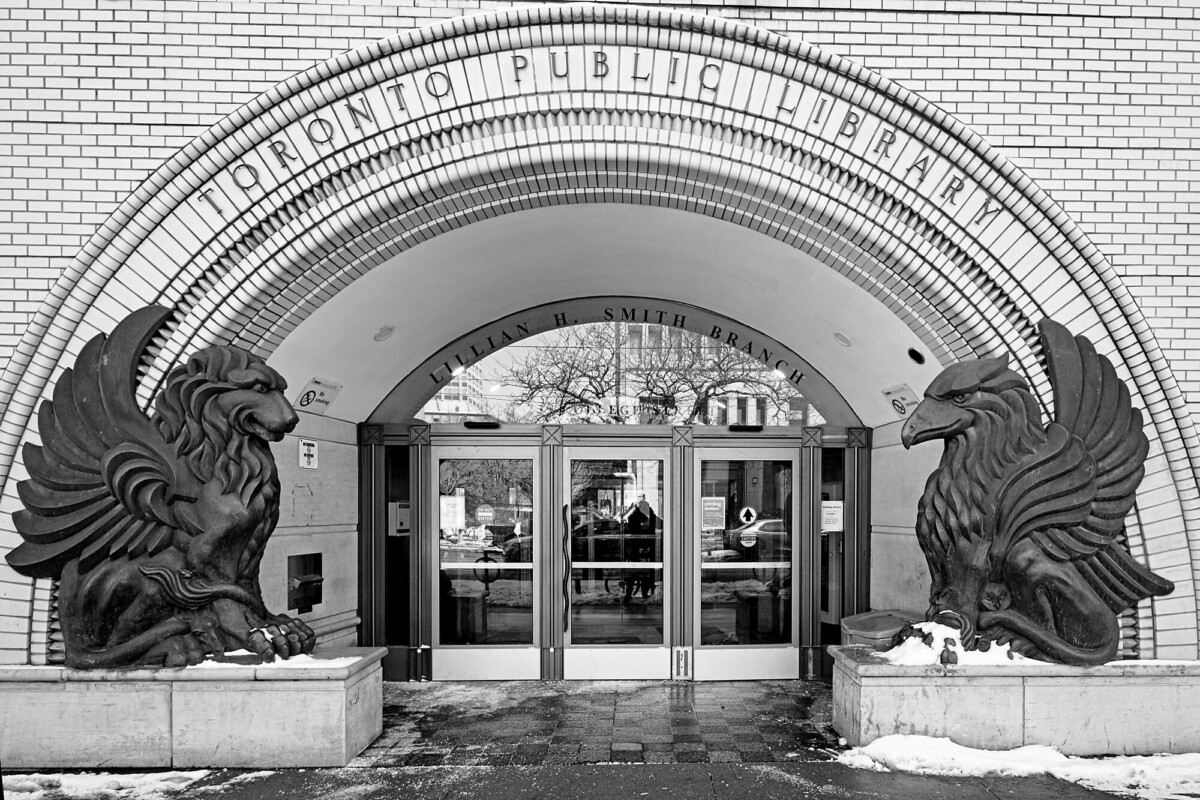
(566,556)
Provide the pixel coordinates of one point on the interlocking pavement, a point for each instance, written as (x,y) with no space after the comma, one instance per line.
(599,722)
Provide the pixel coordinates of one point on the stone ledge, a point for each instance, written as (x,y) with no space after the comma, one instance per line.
(1127,708)
(251,716)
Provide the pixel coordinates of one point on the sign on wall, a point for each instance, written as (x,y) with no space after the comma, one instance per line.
(317,395)
(308,454)
(902,399)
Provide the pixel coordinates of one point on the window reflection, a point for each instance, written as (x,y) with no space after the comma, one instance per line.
(743,606)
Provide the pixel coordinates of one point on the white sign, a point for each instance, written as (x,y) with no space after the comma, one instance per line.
(902,399)
(485,514)
(747,515)
(308,454)
(712,513)
(317,395)
(831,516)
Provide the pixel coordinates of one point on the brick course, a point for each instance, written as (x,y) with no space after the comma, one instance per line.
(1096,102)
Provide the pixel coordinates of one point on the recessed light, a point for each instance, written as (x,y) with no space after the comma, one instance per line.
(384,332)
(842,339)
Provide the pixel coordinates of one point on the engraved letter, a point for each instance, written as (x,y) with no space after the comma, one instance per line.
(600,64)
(636,58)
(921,165)
(787,87)
(245,176)
(886,139)
(396,87)
(850,125)
(987,211)
(205,196)
(953,187)
(437,84)
(554,65)
(704,83)
(326,131)
(520,63)
(280,149)
(360,113)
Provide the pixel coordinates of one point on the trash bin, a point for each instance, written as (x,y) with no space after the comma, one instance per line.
(876,628)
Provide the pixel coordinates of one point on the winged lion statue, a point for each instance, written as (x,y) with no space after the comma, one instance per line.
(155,526)
(1022,523)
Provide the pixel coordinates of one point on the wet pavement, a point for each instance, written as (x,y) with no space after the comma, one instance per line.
(667,722)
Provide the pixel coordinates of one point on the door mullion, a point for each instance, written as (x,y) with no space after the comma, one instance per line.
(550,553)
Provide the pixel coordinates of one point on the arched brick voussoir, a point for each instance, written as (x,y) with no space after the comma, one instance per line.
(406,222)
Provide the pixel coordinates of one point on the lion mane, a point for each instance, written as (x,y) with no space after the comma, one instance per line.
(216,447)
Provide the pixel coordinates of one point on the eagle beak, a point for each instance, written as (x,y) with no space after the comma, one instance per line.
(933,419)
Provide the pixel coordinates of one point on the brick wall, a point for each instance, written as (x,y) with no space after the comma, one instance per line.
(1098,103)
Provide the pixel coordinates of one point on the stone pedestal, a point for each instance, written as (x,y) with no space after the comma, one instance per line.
(321,714)
(1126,708)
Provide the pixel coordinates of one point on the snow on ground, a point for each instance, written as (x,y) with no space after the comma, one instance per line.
(916,651)
(102,786)
(1161,777)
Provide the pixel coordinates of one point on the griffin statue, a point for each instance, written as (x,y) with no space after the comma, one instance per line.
(155,527)
(1022,524)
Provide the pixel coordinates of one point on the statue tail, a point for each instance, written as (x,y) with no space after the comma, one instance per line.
(1052,647)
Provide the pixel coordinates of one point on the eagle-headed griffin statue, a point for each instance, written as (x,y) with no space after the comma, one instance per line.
(1022,524)
(155,526)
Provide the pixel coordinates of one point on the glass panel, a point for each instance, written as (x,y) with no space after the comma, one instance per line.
(833,486)
(615,510)
(486,606)
(486,510)
(617,606)
(746,511)
(626,373)
(745,606)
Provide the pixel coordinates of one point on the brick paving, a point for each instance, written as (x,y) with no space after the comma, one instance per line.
(660,722)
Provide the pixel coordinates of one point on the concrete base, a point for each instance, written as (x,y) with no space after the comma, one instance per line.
(236,716)
(1127,708)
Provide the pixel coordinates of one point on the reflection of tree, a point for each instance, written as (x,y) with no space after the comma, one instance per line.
(587,363)
(487,480)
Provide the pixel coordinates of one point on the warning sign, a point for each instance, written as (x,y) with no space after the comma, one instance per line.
(308,454)
(318,393)
(902,399)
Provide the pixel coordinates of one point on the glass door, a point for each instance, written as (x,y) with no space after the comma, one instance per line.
(747,561)
(616,549)
(486,589)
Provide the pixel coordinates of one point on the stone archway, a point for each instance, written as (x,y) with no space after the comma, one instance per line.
(348,166)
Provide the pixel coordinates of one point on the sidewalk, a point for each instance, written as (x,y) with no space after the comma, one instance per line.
(608,741)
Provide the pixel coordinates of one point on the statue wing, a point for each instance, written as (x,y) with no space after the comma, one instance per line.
(1071,498)
(103,480)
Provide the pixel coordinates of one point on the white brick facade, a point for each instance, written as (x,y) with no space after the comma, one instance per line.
(1095,104)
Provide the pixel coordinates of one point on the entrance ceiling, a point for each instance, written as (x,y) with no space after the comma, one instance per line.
(447,287)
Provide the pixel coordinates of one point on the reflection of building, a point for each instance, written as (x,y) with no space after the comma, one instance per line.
(458,401)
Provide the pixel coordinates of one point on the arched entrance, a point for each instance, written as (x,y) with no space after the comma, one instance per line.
(491,133)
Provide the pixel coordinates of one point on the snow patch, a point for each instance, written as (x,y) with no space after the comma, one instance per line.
(1160,777)
(914,652)
(99,786)
(295,662)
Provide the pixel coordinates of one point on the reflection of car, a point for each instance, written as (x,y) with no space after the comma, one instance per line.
(518,549)
(608,539)
(761,540)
